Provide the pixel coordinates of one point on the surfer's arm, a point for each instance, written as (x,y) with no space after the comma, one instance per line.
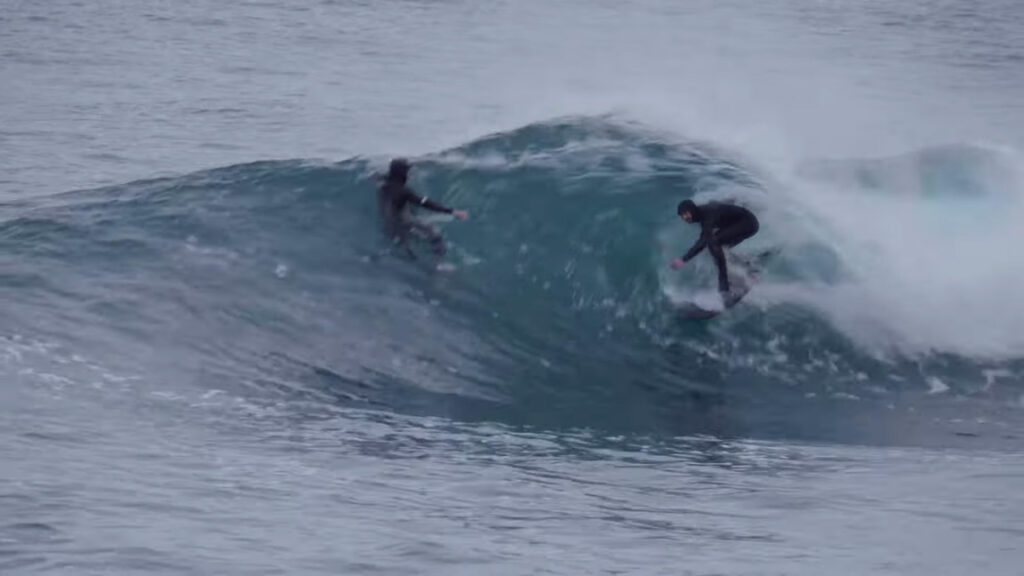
(699,245)
(427,203)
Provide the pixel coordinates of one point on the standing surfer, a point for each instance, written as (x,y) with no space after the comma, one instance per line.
(394,198)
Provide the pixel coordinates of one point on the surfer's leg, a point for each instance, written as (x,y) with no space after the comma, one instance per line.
(715,247)
(397,230)
(399,242)
(431,234)
(731,236)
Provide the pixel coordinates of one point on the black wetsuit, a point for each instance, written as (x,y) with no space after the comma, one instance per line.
(393,199)
(721,225)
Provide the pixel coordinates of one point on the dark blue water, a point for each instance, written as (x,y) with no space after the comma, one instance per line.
(212,363)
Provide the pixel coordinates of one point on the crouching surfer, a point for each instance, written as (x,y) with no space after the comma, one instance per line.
(721,225)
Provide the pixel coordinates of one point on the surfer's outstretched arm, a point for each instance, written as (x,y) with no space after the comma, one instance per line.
(705,236)
(427,202)
(435,206)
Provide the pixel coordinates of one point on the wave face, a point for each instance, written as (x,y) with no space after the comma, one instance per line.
(893,299)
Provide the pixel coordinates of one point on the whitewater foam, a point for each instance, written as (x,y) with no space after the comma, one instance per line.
(927,273)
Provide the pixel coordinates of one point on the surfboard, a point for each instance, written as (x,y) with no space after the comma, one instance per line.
(421,253)
(709,304)
(702,308)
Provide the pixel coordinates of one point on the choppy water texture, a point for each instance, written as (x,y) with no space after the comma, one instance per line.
(211,363)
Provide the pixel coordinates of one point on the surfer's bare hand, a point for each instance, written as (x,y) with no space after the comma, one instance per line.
(678,263)
(460,214)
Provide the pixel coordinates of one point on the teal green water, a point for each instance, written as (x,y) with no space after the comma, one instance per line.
(211,363)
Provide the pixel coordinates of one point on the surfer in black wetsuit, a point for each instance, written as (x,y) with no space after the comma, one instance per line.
(394,198)
(720,225)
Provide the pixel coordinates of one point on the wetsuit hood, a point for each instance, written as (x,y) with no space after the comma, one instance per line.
(398,170)
(691,207)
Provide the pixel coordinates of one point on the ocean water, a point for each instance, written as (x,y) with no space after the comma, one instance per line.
(211,363)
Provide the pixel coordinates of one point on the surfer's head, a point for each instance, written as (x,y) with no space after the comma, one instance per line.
(688,211)
(398,170)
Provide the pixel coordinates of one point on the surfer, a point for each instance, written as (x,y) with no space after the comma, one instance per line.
(394,198)
(721,225)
